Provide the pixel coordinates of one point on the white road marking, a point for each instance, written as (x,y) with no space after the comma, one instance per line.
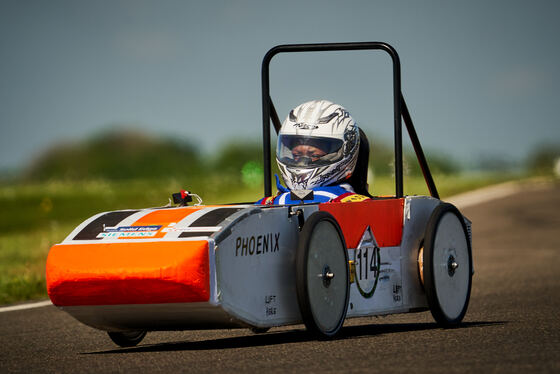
(25,306)
(485,194)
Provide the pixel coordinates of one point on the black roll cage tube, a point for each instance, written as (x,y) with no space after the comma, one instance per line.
(400,110)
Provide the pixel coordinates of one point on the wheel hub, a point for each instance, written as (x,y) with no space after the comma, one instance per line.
(452,265)
(327,276)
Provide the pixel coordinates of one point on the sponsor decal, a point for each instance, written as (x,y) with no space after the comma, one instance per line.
(201,229)
(129,231)
(354,198)
(257,244)
(350,197)
(397,291)
(270,305)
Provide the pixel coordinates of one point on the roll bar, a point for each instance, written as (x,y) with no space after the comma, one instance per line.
(399,108)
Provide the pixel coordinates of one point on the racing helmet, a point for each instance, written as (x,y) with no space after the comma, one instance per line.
(317,145)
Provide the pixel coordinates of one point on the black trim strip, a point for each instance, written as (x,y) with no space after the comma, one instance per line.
(95,227)
(214,217)
(190,234)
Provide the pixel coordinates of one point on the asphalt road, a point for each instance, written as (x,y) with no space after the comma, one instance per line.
(512,325)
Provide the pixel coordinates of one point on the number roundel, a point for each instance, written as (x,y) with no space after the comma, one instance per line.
(367,261)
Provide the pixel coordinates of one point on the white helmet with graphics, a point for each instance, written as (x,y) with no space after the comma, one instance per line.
(317,145)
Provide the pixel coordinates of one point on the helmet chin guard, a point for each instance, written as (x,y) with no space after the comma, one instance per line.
(317,145)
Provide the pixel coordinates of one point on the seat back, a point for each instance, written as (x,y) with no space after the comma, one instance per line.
(358,180)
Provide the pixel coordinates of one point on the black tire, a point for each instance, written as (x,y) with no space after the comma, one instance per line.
(322,275)
(447,265)
(259,330)
(127,338)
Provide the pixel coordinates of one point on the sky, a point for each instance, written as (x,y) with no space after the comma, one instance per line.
(480,77)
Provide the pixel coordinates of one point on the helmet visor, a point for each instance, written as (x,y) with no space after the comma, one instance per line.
(308,151)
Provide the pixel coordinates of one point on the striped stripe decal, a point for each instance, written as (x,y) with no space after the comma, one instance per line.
(91,231)
(164,217)
(184,222)
(214,217)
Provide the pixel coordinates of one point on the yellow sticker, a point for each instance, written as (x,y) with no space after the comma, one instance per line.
(354,198)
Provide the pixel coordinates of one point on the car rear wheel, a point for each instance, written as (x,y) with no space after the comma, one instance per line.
(127,338)
(447,265)
(322,275)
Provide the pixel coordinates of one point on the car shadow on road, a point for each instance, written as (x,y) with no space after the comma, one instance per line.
(290,336)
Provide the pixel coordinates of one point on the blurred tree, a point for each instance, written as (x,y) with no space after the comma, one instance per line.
(495,163)
(117,155)
(542,160)
(438,163)
(130,154)
(382,156)
(240,161)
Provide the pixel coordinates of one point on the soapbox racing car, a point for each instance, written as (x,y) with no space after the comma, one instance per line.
(245,265)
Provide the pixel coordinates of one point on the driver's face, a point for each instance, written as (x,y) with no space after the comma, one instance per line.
(304,150)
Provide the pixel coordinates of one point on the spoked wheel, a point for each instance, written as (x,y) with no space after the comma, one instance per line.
(447,265)
(127,338)
(322,275)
